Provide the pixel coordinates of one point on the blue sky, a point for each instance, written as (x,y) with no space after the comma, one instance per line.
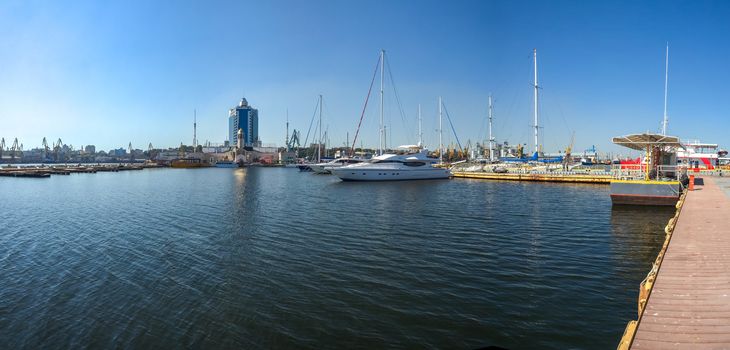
(113,72)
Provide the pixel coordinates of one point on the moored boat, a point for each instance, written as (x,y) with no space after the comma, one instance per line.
(325,168)
(656,181)
(227,164)
(393,167)
(189,163)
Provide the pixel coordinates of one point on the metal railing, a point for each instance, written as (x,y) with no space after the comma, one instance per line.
(639,172)
(526,169)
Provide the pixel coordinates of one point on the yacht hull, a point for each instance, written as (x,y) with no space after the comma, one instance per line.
(321,169)
(354,174)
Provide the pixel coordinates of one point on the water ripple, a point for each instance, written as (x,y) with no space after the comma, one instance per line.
(271,258)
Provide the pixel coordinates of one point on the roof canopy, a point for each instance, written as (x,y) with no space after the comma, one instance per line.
(641,141)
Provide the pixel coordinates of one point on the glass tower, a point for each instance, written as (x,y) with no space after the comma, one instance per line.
(246,118)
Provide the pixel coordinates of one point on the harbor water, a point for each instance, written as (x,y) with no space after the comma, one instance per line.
(273,258)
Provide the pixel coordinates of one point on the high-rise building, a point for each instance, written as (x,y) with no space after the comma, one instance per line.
(91,149)
(246,118)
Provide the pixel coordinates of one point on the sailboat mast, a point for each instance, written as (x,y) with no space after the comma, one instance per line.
(382,77)
(666,85)
(319,144)
(537,147)
(441,143)
(195,129)
(491,139)
(420,130)
(286,140)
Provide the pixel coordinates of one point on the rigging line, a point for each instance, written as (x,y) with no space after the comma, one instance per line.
(452,127)
(395,92)
(311,121)
(362,115)
(325,114)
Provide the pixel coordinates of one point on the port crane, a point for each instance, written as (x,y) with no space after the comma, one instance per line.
(568,159)
(14,149)
(293,142)
(57,150)
(2,148)
(45,149)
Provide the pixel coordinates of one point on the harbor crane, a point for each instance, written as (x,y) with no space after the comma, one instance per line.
(2,148)
(45,149)
(57,150)
(293,142)
(568,159)
(14,149)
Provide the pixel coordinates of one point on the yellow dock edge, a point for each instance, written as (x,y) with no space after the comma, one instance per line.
(646,285)
(594,179)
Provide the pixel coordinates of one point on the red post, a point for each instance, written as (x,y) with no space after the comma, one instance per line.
(692,182)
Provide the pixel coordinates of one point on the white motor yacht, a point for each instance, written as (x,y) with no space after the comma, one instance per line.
(389,167)
(325,168)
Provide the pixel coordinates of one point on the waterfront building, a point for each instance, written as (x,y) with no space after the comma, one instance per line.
(91,149)
(245,118)
(119,152)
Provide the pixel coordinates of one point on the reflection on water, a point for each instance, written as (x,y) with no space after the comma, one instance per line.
(638,231)
(261,258)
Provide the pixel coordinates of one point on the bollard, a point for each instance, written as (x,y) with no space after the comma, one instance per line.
(691,182)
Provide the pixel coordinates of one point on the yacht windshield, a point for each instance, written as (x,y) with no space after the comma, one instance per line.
(414,163)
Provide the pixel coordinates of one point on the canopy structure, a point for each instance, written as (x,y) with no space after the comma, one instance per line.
(640,142)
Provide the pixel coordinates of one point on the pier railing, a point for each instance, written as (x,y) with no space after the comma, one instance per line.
(638,172)
(529,170)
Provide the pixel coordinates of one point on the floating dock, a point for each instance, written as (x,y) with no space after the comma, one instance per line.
(47,171)
(684,303)
(541,176)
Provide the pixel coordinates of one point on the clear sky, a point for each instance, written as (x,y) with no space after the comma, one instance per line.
(113,72)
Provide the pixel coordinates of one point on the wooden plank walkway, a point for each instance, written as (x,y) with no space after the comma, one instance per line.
(689,305)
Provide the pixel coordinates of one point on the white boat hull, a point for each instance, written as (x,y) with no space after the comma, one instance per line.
(322,169)
(354,174)
(227,165)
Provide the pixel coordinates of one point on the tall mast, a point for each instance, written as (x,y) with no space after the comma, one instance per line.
(491,139)
(286,140)
(537,147)
(666,80)
(420,131)
(441,143)
(382,77)
(195,130)
(319,144)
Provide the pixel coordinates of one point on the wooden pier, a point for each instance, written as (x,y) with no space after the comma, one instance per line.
(685,301)
(46,171)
